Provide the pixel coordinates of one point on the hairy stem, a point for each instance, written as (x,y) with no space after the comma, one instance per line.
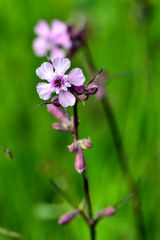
(85,179)
(122,158)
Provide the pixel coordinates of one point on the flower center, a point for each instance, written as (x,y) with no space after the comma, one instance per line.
(58,82)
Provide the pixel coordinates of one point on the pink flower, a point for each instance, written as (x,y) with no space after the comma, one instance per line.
(53,39)
(59,82)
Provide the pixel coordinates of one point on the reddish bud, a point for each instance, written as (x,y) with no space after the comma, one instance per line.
(68,217)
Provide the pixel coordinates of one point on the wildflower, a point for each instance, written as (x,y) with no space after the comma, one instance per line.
(68,217)
(59,82)
(52,39)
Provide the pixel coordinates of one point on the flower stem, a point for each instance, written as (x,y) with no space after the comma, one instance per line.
(85,179)
(87,194)
(76,121)
(93,232)
(122,158)
(89,206)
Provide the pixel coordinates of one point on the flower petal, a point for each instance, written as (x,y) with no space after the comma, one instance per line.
(42,29)
(44,90)
(66,98)
(61,65)
(40,47)
(57,53)
(76,77)
(58,27)
(63,40)
(60,34)
(45,71)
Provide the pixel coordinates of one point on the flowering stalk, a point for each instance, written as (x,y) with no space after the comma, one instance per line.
(118,143)
(68,90)
(84,177)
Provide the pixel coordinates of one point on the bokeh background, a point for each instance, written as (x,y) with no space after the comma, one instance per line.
(124,36)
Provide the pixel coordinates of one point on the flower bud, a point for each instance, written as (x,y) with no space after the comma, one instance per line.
(91,89)
(79,161)
(68,217)
(78,89)
(85,143)
(59,127)
(72,147)
(57,112)
(108,212)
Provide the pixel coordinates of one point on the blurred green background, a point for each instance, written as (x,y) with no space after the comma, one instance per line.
(124,36)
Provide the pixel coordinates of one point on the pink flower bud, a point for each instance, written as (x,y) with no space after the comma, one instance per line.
(72,147)
(79,161)
(108,212)
(87,143)
(67,218)
(57,112)
(59,127)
